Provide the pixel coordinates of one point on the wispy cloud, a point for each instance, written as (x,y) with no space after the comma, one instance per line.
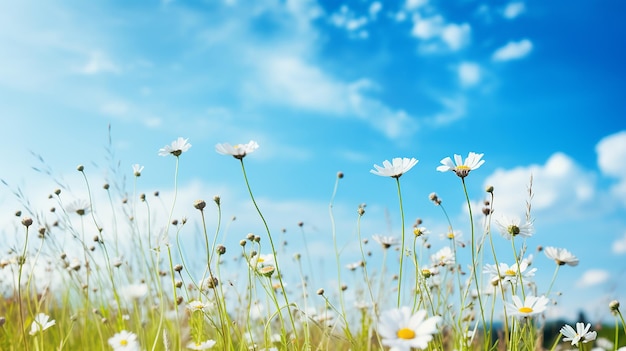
(437,35)
(514,9)
(513,50)
(592,277)
(611,152)
(619,245)
(469,74)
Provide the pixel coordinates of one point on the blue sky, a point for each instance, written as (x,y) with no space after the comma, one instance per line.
(326,86)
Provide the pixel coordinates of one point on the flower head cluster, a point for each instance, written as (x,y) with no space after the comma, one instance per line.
(42,322)
(394,169)
(401,330)
(177,147)
(124,341)
(238,151)
(462,169)
(581,333)
(561,256)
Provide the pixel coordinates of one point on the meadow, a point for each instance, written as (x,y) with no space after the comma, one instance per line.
(86,275)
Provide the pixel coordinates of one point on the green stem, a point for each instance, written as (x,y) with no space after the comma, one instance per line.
(401,244)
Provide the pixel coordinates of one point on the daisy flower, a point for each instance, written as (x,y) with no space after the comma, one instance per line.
(511,227)
(561,256)
(385,241)
(80,207)
(124,341)
(196,305)
(531,306)
(462,169)
(443,257)
(394,169)
(402,331)
(506,273)
(204,345)
(581,333)
(238,151)
(42,322)
(137,168)
(177,147)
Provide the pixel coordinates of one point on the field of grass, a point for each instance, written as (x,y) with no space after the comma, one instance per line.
(87,275)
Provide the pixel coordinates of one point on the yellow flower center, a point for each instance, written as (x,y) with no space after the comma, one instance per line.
(124,342)
(450,235)
(406,334)
(509,272)
(463,168)
(525,309)
(513,230)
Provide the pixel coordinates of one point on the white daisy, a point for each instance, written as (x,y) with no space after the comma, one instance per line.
(124,341)
(385,241)
(196,305)
(511,227)
(581,333)
(394,169)
(204,345)
(137,169)
(42,322)
(238,151)
(506,273)
(531,306)
(403,331)
(177,147)
(443,257)
(462,169)
(561,256)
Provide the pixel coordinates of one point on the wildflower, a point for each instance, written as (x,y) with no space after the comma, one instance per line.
(511,227)
(394,169)
(420,231)
(443,257)
(134,292)
(177,147)
(462,169)
(80,207)
(196,305)
(124,341)
(505,273)
(561,256)
(260,261)
(237,151)
(581,333)
(204,345)
(137,169)
(402,331)
(385,241)
(614,306)
(42,322)
(454,235)
(355,265)
(531,306)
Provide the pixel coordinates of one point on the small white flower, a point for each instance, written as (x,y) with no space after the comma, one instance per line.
(177,147)
(238,151)
(511,227)
(385,241)
(561,256)
(506,273)
(354,265)
(204,345)
(443,257)
(137,169)
(80,207)
(42,322)
(462,169)
(531,306)
(394,169)
(403,331)
(196,305)
(134,291)
(581,333)
(124,341)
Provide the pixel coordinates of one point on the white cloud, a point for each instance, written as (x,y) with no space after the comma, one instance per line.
(611,152)
(414,4)
(469,73)
(513,50)
(99,63)
(619,245)
(592,277)
(453,109)
(454,36)
(374,9)
(514,9)
(559,186)
(346,18)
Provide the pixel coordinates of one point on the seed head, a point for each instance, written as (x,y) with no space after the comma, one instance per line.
(199,205)
(80,168)
(27,222)
(340,175)
(614,306)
